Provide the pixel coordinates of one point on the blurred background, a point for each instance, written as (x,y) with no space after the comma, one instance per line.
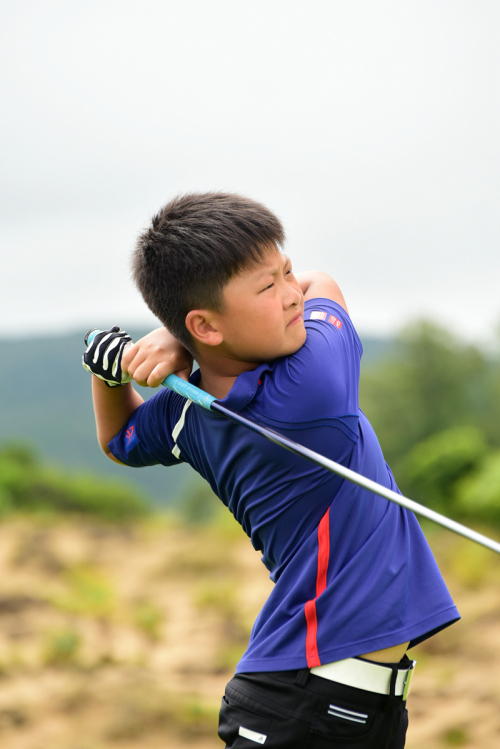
(371,130)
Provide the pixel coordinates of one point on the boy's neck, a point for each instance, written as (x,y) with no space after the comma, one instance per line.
(219,376)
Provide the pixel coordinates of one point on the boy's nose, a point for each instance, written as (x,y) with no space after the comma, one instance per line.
(292,299)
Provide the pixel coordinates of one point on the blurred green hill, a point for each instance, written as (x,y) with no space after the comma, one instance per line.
(45,400)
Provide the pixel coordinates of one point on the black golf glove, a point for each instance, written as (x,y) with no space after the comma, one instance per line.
(104,355)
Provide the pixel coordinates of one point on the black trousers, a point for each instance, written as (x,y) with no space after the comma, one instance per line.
(298,710)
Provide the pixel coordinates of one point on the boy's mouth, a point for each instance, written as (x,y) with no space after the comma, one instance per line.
(295,319)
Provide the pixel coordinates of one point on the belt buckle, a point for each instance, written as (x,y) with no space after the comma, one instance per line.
(409,676)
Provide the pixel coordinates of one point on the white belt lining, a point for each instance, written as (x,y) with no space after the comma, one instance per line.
(354,672)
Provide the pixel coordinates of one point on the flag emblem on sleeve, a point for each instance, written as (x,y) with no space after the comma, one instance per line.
(335,321)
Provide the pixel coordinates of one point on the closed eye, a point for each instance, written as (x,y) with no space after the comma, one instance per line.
(287,273)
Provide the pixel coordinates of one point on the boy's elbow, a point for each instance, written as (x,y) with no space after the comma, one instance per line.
(323,285)
(107,452)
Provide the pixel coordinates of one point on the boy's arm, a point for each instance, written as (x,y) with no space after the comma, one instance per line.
(315,284)
(112,407)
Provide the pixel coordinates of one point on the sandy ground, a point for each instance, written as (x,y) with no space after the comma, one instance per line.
(126,637)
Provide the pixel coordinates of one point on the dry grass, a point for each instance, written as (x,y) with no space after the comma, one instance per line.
(120,638)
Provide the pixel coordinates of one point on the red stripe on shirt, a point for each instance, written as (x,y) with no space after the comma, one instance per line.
(312,630)
(323,552)
(321,579)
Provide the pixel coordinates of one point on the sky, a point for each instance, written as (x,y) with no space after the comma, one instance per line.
(369,127)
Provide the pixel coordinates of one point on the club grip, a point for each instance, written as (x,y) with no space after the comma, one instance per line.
(177,384)
(91,335)
(180,386)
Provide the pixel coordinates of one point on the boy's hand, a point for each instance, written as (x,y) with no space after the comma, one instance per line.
(103,356)
(156,356)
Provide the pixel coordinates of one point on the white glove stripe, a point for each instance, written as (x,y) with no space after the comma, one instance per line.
(96,352)
(105,360)
(118,360)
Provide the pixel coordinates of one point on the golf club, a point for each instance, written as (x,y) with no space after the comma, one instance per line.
(205,400)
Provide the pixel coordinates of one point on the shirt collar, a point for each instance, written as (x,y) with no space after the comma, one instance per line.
(244,387)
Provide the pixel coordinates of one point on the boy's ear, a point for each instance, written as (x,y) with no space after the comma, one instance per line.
(201,326)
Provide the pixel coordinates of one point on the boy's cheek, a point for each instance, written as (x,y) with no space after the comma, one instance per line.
(302,333)
(300,340)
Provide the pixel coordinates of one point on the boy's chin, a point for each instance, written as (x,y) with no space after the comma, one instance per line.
(295,349)
(292,348)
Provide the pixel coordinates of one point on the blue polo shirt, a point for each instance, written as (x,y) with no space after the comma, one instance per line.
(353,572)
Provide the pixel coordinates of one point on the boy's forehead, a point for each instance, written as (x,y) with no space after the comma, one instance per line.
(272,261)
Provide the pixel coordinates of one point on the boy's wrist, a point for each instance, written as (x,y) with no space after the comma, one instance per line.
(113,385)
(155,356)
(105,387)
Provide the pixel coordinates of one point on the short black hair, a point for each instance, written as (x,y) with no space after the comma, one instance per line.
(194,246)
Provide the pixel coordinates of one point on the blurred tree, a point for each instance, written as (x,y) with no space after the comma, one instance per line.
(27,485)
(431,383)
(478,494)
(430,471)
(20,454)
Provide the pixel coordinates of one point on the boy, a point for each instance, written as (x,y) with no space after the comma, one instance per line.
(355,581)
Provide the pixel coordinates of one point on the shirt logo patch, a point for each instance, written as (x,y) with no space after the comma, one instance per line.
(129,434)
(335,321)
(317,315)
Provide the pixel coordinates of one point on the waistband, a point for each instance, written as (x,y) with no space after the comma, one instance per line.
(295,693)
(382,678)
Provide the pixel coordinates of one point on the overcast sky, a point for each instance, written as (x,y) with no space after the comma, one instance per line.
(369,126)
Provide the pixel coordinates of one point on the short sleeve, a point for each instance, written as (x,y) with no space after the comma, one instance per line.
(146,439)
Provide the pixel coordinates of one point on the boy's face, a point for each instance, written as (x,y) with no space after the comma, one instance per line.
(263,315)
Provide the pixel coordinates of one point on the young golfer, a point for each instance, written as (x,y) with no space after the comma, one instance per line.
(355,581)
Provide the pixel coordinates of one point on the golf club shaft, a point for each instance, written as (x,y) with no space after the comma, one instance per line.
(205,400)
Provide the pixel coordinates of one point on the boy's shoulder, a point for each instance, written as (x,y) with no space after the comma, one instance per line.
(333,323)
